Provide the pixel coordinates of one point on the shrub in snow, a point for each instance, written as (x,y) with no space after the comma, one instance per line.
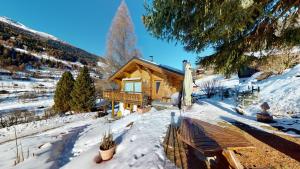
(4,92)
(62,97)
(83,94)
(107,141)
(209,87)
(107,146)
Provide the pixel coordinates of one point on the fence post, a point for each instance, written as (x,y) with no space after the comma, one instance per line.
(112,105)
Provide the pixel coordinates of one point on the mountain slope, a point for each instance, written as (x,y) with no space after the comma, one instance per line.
(19,25)
(15,35)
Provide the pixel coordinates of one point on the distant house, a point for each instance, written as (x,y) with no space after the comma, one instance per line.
(140,81)
(4,72)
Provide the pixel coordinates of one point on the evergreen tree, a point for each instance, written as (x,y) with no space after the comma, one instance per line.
(62,97)
(231,27)
(83,94)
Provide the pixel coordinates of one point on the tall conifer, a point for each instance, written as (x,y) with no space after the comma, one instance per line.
(83,94)
(62,97)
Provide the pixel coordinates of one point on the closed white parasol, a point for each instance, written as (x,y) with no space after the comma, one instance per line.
(187,85)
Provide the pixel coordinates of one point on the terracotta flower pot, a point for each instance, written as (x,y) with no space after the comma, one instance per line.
(107,154)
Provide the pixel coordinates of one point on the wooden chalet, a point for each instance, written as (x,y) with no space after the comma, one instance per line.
(139,82)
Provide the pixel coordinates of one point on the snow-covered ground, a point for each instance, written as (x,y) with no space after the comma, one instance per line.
(282,92)
(76,143)
(32,95)
(72,142)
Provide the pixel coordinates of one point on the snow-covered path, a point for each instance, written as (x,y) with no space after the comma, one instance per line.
(47,148)
(62,150)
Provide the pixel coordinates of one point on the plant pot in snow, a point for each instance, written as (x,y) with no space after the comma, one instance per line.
(107,154)
(107,147)
(263,117)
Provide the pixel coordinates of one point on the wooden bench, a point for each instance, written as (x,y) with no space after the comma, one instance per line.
(211,140)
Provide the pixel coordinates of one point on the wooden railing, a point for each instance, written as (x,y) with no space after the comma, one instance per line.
(126,97)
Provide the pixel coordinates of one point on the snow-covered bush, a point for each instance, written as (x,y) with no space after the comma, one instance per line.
(210,87)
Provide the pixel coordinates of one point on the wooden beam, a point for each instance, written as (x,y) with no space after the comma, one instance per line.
(151,81)
(232,159)
(126,74)
(139,68)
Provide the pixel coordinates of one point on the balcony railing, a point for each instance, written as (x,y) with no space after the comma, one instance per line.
(125,97)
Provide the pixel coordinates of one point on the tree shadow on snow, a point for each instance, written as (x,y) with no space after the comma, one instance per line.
(233,112)
(62,149)
(283,145)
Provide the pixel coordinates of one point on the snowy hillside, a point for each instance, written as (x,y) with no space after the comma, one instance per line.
(51,58)
(19,25)
(282,92)
(16,35)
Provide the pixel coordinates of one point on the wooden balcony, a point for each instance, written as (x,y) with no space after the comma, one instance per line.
(125,97)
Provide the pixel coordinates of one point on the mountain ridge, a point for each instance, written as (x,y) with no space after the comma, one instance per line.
(16,35)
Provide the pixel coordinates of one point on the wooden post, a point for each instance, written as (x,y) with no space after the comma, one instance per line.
(151,82)
(112,105)
(232,159)
(112,108)
(124,101)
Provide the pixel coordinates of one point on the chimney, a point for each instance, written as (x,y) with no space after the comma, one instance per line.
(184,62)
(151,58)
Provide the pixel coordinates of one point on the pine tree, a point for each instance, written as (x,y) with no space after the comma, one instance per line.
(83,94)
(121,40)
(62,97)
(231,28)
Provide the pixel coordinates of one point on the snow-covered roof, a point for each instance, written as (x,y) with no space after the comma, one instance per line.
(163,66)
(4,71)
(149,64)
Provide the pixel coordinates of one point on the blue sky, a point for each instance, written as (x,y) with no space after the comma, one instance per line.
(85,23)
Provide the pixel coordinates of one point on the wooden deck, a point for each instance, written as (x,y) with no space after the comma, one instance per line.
(125,97)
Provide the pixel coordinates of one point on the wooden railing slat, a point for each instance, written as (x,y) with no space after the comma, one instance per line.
(136,98)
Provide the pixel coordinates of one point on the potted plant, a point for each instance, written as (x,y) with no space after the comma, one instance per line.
(107,147)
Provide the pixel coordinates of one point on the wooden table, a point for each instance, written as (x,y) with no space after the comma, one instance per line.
(212,140)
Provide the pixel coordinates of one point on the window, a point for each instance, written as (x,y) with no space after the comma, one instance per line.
(128,87)
(138,87)
(157,86)
(133,86)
